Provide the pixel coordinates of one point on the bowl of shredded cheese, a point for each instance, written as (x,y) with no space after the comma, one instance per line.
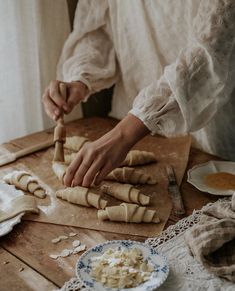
(122,265)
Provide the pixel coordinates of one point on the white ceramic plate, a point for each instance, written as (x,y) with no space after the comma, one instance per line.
(8,192)
(159,275)
(197,174)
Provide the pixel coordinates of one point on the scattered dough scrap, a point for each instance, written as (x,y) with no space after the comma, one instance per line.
(54,257)
(79,249)
(76,243)
(76,247)
(63,237)
(65,253)
(55,240)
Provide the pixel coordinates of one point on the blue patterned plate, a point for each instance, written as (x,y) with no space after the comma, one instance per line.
(159,275)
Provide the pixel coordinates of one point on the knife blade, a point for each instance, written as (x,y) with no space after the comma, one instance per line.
(173,189)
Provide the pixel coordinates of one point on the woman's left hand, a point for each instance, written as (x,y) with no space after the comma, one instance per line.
(96,159)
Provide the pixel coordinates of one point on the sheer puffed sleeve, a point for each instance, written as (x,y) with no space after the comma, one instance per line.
(88,54)
(200,81)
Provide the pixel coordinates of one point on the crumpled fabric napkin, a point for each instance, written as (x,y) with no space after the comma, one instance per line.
(212,240)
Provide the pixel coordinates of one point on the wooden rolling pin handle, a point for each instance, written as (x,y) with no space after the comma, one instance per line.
(34,148)
(177,202)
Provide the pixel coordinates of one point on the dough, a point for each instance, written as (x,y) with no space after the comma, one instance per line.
(130,175)
(136,157)
(26,182)
(75,143)
(69,158)
(82,196)
(59,169)
(125,192)
(128,213)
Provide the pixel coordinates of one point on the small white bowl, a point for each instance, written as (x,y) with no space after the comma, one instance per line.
(196,176)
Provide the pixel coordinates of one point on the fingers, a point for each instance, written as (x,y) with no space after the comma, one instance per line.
(74,97)
(90,175)
(53,100)
(50,107)
(103,173)
(72,169)
(83,170)
(55,95)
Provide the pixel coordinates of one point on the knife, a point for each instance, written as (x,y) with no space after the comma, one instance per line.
(9,157)
(174,192)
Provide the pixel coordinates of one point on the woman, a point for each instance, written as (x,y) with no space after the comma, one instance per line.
(174,60)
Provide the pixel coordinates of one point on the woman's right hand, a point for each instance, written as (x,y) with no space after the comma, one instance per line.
(53,102)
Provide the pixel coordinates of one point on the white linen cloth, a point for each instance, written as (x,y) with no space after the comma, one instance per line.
(174,59)
(186,274)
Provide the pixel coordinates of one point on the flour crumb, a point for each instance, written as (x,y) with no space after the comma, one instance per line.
(55,240)
(79,249)
(63,237)
(66,253)
(76,243)
(54,257)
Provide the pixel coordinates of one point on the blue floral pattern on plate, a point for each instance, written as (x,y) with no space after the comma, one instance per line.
(159,262)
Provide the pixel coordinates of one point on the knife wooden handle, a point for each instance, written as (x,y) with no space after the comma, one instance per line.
(176,199)
(174,192)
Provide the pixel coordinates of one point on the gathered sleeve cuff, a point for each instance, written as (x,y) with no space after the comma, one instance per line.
(199,82)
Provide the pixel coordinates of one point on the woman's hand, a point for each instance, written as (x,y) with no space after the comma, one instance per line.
(96,159)
(53,102)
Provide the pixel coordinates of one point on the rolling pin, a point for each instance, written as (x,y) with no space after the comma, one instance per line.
(60,132)
(11,157)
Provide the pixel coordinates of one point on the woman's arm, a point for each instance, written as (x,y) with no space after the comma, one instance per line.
(88,54)
(96,159)
(88,60)
(184,99)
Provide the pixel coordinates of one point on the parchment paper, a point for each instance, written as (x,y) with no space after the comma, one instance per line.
(172,151)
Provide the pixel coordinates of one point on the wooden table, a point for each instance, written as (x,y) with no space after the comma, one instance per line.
(25,263)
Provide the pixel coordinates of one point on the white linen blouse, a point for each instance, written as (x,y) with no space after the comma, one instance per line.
(172,63)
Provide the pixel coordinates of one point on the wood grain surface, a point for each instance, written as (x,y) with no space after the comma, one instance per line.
(30,242)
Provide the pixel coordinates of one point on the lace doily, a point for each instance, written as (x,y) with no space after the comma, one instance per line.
(186,274)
